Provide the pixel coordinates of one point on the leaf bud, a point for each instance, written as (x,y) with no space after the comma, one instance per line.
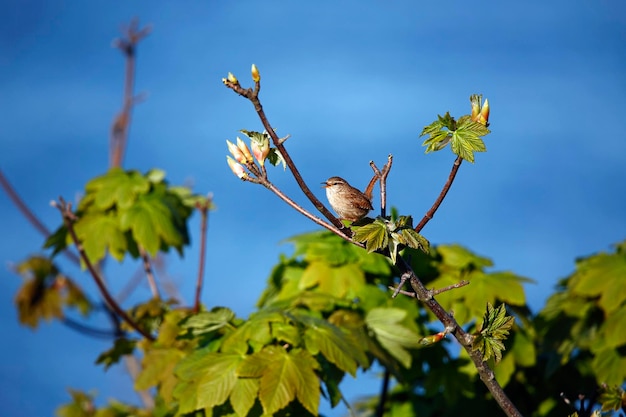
(237,169)
(256,77)
(233,79)
(484,113)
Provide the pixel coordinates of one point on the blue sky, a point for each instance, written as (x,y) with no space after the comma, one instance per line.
(351,82)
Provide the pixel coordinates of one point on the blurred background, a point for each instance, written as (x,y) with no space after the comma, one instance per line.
(351,82)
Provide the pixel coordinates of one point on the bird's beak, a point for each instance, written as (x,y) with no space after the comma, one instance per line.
(324,184)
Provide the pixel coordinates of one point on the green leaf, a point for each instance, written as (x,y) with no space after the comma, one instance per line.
(335,345)
(283,378)
(152,224)
(601,275)
(613,330)
(206,321)
(244,395)
(115,188)
(208,379)
(609,367)
(255,333)
(392,336)
(99,232)
(158,367)
(467,138)
(121,347)
(374,235)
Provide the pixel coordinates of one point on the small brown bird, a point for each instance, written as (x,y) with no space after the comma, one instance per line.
(348,202)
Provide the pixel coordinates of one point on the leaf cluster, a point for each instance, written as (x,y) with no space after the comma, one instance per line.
(389,234)
(123,211)
(465,136)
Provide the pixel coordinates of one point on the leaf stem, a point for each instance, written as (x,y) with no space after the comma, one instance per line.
(431,213)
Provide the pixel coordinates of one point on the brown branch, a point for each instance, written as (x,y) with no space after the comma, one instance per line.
(204,213)
(30,216)
(430,213)
(253,97)
(465,339)
(69,218)
(121,124)
(147,267)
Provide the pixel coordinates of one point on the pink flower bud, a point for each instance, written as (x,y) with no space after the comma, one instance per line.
(237,169)
(244,149)
(256,77)
(260,150)
(236,152)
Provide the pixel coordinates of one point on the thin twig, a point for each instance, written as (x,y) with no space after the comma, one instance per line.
(121,124)
(87,330)
(430,213)
(69,218)
(204,213)
(253,97)
(147,268)
(30,216)
(397,290)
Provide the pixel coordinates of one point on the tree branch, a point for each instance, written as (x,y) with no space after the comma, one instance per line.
(69,218)
(465,339)
(204,213)
(430,213)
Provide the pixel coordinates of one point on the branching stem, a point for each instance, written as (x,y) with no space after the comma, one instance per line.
(69,218)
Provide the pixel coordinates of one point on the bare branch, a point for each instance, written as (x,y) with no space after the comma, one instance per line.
(121,124)
(30,216)
(204,213)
